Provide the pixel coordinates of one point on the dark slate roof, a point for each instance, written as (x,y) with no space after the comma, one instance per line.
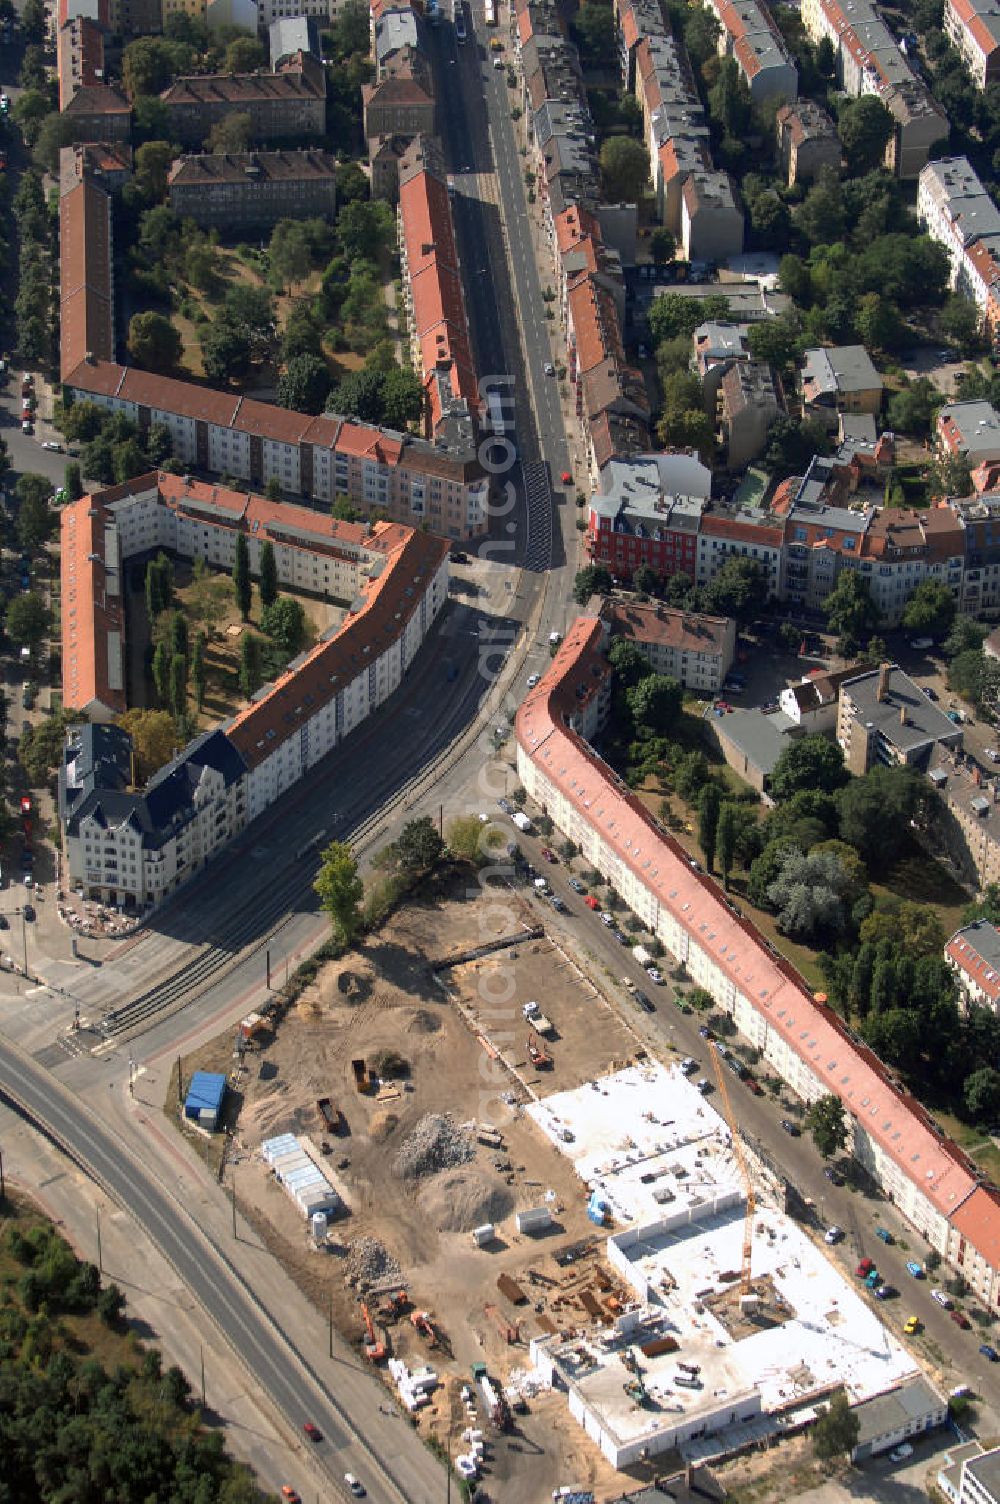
(94,758)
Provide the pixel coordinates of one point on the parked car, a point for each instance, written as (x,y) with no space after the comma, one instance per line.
(689,1065)
(548,856)
(864,1268)
(942,1299)
(901,1453)
(655,975)
(289,1494)
(884,1234)
(989,1352)
(792,1129)
(609,920)
(960,1319)
(930,692)
(644,1002)
(28,911)
(912,1325)
(592,902)
(833,1234)
(885,1292)
(577,885)
(834,1176)
(357,1489)
(917,1270)
(312,1430)
(620,937)
(921,644)
(704,1086)
(533,679)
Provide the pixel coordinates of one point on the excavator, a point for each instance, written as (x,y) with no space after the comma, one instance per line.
(538,1057)
(375,1349)
(422,1321)
(397,1304)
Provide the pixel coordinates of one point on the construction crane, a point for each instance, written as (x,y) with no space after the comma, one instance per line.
(744,1172)
(374,1347)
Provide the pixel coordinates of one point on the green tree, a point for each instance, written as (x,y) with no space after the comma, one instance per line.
(981,1095)
(73,481)
(305,384)
(709,806)
(808,894)
(365,230)
(835,1433)
(820,216)
(961,323)
(966,635)
(628,661)
(662,246)
(701,35)
(594,579)
(827,1122)
(250,310)
(28,620)
(198,670)
(241,576)
(35,520)
(340,890)
(624,170)
(153,342)
(465,837)
(268,574)
(231,133)
(878,323)
(55,132)
(865,128)
(913,407)
(303,331)
(178,684)
(727,838)
(792,443)
(930,610)
(285,622)
(245,55)
(849,608)
(738,589)
(290,251)
(161,671)
(249,674)
(655,704)
(33,21)
(226,352)
(402,398)
(671,314)
(729,100)
(874,813)
(974,676)
(153,161)
(809,763)
(419,846)
(148,65)
(775,341)
(594,33)
(352,184)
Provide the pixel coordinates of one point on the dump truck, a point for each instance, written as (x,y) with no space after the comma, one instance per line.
(331,1114)
(537,1019)
(642,955)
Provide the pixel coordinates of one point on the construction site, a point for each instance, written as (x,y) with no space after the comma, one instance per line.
(737,1326)
(526,1225)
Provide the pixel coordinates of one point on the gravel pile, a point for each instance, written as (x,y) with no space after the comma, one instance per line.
(436,1143)
(368,1261)
(460,1200)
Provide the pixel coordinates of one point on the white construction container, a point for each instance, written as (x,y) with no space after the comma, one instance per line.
(522,822)
(482,1236)
(642,955)
(537,1219)
(318,1224)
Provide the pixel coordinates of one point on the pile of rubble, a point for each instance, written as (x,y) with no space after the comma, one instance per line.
(436,1143)
(368,1261)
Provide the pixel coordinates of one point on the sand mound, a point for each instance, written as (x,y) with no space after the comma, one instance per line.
(382,1125)
(353,987)
(459,1200)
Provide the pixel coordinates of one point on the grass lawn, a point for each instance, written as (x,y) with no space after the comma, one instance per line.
(975,1143)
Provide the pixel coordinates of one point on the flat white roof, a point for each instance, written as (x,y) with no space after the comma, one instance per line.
(661,1156)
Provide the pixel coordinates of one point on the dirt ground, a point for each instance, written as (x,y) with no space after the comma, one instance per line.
(385,997)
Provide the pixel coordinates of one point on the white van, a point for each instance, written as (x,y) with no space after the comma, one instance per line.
(942,1299)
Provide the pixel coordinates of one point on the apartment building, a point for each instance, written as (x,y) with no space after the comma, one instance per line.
(747,406)
(748,34)
(125,845)
(715,348)
(840,379)
(86,284)
(108,164)
(695,649)
(743,534)
(807,141)
(431,279)
(883,717)
(289,104)
(321,458)
(253,189)
(401,100)
(955,210)
(99,111)
(964,821)
(711,222)
(803,1041)
(649,511)
(869,61)
(969,429)
(973,953)
(973,28)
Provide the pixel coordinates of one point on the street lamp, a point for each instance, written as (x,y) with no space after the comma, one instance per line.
(24,938)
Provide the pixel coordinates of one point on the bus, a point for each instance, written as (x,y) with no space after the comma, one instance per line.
(490,7)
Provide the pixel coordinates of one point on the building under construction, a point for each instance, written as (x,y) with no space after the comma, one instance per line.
(720,1345)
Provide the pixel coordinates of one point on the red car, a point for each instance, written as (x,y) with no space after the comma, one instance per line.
(960,1319)
(289,1495)
(864,1268)
(313,1432)
(566,478)
(548,856)
(592,902)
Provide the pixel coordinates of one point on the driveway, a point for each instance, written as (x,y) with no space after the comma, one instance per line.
(925,361)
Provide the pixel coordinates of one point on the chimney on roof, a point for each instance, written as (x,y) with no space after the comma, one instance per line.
(902,715)
(882,693)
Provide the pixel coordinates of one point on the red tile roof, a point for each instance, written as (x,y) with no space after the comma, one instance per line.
(965,955)
(779,994)
(978,1222)
(86,320)
(89,612)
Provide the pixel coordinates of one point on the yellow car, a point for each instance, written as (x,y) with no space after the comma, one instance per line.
(495,44)
(913,1325)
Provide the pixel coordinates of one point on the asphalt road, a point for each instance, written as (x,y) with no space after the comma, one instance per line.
(402,1472)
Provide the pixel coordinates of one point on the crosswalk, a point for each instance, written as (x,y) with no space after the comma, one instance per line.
(538,504)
